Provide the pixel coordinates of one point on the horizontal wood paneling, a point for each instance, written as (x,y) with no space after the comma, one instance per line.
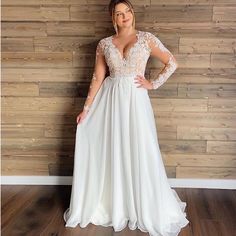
(206,133)
(199,119)
(224,13)
(35,13)
(221,147)
(48,55)
(205,172)
(37,104)
(23,29)
(207,45)
(33,59)
(199,160)
(17,44)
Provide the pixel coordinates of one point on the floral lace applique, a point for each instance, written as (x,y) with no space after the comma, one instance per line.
(94,85)
(157,46)
(134,63)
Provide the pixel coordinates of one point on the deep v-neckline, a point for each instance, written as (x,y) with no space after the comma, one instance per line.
(123,57)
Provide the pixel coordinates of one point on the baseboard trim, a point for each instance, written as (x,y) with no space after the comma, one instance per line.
(67,180)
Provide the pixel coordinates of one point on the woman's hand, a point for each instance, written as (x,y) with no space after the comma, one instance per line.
(144,83)
(81,116)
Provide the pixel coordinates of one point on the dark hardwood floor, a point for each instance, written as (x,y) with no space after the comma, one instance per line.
(38,210)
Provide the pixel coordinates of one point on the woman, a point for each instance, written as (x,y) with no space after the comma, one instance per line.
(119,177)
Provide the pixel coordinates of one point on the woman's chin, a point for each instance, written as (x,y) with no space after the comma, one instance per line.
(127,24)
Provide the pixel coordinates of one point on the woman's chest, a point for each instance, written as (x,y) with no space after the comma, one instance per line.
(136,53)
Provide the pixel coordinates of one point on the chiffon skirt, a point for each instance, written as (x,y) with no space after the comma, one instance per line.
(119,178)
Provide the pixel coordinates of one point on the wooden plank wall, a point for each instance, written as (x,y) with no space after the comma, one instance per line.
(48,49)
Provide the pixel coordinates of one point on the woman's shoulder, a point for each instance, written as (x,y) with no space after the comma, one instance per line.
(151,38)
(141,32)
(148,35)
(104,39)
(103,42)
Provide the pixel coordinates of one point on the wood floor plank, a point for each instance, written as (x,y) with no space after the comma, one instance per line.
(38,210)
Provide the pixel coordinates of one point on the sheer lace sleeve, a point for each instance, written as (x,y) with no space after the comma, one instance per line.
(157,49)
(98,75)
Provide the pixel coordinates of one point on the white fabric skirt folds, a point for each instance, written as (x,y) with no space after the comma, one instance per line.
(119,178)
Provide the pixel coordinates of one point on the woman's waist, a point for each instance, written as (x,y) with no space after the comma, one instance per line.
(122,79)
(120,76)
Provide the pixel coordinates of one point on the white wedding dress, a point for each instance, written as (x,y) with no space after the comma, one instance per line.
(119,178)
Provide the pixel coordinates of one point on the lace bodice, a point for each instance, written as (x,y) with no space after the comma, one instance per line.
(133,63)
(135,60)
(137,56)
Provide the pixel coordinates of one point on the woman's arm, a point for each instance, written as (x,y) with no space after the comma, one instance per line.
(159,51)
(98,76)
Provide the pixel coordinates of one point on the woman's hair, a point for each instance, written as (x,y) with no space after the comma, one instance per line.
(113,4)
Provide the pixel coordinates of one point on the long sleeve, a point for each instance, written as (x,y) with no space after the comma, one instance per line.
(158,50)
(97,77)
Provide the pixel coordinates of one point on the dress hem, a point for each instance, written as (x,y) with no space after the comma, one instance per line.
(128,224)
